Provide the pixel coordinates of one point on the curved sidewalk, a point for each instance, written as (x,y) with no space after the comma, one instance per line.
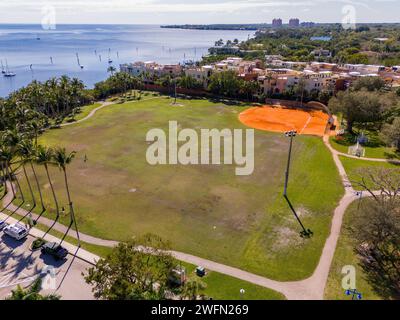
(103,105)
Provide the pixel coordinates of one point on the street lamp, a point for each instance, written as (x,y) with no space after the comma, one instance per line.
(291,134)
(306,233)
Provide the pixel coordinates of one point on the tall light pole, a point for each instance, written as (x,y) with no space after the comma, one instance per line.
(306,233)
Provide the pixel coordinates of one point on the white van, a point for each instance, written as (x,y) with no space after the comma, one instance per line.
(16,231)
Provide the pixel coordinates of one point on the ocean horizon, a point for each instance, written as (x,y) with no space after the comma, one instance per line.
(33,53)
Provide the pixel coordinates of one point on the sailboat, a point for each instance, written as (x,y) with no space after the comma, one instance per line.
(8,73)
(109,57)
(2,67)
(79,63)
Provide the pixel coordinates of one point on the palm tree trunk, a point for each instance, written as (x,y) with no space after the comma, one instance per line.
(10,178)
(3,181)
(31,192)
(20,191)
(55,200)
(38,186)
(29,186)
(12,190)
(71,210)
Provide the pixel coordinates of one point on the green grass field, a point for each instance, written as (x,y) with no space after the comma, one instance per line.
(344,255)
(223,287)
(377,151)
(353,167)
(205,210)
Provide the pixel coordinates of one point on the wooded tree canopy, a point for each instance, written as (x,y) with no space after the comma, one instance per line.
(136,270)
(362,107)
(390,133)
(369,83)
(376,231)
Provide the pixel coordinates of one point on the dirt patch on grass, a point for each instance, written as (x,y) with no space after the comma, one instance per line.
(285,238)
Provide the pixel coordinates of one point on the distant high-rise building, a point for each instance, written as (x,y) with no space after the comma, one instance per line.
(294,22)
(307,24)
(277,22)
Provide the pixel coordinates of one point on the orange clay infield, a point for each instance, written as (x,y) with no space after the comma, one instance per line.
(280,119)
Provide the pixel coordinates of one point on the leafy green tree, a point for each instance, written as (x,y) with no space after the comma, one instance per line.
(369,83)
(136,270)
(192,290)
(31,293)
(376,231)
(249,88)
(360,107)
(188,82)
(357,58)
(390,133)
(224,83)
(324,96)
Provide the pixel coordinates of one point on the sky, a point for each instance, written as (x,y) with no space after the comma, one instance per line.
(196,11)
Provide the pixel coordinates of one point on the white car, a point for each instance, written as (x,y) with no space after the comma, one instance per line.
(2,225)
(16,231)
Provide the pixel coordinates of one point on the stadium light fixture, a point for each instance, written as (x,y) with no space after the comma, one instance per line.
(305,233)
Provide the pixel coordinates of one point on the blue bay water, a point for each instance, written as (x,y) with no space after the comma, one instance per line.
(21,48)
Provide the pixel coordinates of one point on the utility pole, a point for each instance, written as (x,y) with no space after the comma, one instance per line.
(305,233)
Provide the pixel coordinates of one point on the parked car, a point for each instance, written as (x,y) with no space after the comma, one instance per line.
(16,231)
(54,249)
(3,224)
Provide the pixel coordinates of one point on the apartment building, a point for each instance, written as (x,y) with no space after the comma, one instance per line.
(150,69)
(294,22)
(277,23)
(201,74)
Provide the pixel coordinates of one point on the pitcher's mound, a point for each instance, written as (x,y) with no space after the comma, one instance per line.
(279,119)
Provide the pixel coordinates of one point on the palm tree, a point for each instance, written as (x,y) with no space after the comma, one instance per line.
(3,180)
(111,69)
(192,290)
(269,78)
(25,151)
(63,159)
(11,138)
(5,159)
(44,156)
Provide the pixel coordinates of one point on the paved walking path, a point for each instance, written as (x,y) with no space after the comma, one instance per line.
(103,105)
(311,288)
(91,114)
(361,158)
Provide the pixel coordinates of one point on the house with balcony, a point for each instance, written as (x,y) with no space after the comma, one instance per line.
(201,74)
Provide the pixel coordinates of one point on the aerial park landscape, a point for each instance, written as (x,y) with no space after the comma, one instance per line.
(263,164)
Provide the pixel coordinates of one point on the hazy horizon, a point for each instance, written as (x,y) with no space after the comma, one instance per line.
(196,11)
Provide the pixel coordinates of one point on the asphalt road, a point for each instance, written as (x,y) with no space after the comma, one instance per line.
(19,265)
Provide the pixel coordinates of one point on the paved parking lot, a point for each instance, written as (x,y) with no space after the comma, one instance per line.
(19,265)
